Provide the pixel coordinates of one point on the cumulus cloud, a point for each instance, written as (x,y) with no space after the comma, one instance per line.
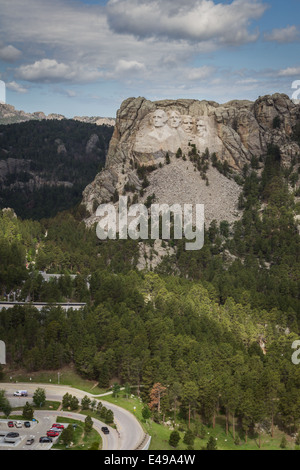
(14,86)
(51,71)
(192,20)
(131,66)
(283,35)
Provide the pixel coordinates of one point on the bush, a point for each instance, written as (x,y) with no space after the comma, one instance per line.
(174,439)
(189,438)
(211,444)
(283,443)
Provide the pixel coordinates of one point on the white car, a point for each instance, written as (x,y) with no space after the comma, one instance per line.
(18,424)
(20,393)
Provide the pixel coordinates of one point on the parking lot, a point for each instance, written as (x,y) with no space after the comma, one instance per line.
(25,438)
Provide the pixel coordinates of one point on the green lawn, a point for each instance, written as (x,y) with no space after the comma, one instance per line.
(160,433)
(66,376)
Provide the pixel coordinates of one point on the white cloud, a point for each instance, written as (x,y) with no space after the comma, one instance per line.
(129,66)
(289,72)
(247,81)
(14,86)
(200,73)
(44,70)
(192,20)
(51,71)
(284,35)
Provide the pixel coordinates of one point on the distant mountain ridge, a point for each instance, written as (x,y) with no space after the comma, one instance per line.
(9,115)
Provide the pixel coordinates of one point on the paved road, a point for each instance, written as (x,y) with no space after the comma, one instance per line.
(129,432)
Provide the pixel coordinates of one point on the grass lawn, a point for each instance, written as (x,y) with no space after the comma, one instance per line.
(66,376)
(81,441)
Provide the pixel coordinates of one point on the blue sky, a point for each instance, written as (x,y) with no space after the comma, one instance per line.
(84,57)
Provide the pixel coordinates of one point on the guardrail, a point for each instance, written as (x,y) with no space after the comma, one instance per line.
(145,444)
(41,305)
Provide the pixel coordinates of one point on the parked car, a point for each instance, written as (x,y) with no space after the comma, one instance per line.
(56,430)
(105,430)
(10,424)
(12,434)
(27,424)
(52,433)
(58,426)
(11,437)
(45,439)
(30,441)
(18,424)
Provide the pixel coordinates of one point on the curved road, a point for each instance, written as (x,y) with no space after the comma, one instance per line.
(129,433)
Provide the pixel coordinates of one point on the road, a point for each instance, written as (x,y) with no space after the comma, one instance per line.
(129,433)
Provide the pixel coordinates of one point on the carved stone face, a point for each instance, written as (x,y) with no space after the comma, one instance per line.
(159,118)
(201,128)
(188,124)
(174,119)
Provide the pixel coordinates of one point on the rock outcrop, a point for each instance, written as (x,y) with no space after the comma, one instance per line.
(147,133)
(10,115)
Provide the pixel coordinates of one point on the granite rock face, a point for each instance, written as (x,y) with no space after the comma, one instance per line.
(146,132)
(235,131)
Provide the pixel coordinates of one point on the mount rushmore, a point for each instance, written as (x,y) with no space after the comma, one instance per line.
(169,130)
(234,132)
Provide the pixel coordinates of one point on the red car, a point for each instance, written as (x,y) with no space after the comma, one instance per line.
(58,426)
(10,424)
(52,433)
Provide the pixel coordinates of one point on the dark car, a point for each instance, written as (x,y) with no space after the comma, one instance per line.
(45,439)
(12,435)
(105,430)
(27,424)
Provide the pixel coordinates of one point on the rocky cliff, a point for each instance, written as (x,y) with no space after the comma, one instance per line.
(189,151)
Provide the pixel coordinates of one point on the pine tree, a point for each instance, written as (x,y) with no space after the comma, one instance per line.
(88,424)
(174,439)
(211,444)
(28,411)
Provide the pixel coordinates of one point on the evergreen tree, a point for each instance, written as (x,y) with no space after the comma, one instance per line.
(88,425)
(174,439)
(67,435)
(211,444)
(28,411)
